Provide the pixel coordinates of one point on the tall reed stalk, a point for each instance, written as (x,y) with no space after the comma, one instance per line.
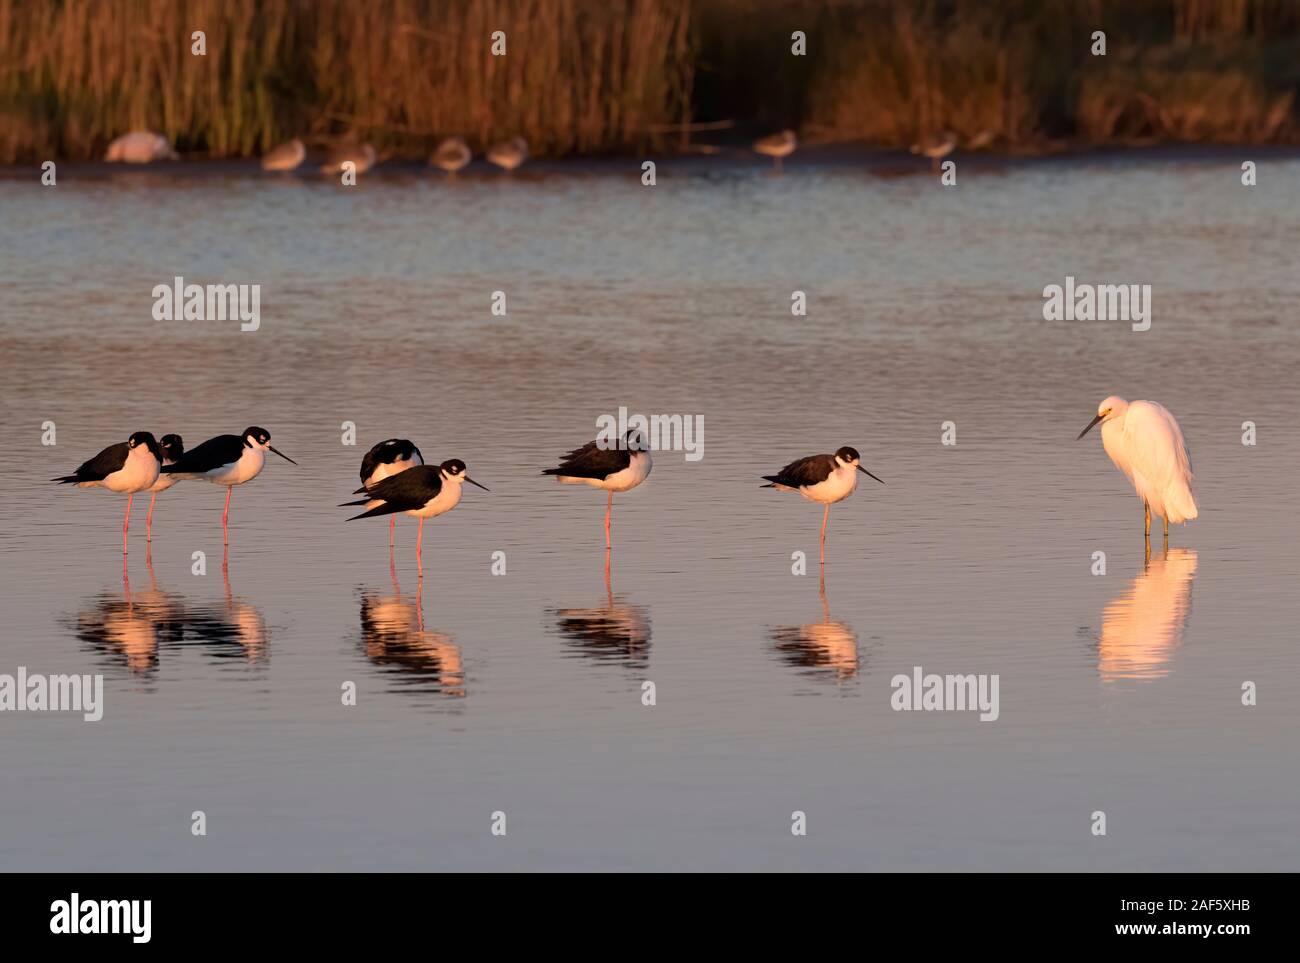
(606,76)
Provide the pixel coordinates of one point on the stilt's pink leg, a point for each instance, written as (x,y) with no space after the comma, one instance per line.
(148,520)
(419,545)
(392,529)
(126,520)
(609,507)
(825,518)
(225,517)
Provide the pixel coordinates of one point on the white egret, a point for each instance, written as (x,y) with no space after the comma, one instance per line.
(1145,443)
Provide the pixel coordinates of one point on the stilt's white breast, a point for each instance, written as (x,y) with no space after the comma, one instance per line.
(164,482)
(444,501)
(837,486)
(246,468)
(635,473)
(139,472)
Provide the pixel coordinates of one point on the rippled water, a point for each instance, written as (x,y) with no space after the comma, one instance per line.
(522,692)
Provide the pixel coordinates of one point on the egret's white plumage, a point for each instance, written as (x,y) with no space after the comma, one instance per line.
(1145,442)
(1142,627)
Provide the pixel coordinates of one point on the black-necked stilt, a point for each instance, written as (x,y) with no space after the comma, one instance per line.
(777,146)
(172,448)
(425,491)
(617,469)
(228,460)
(384,460)
(821,478)
(452,154)
(128,467)
(508,154)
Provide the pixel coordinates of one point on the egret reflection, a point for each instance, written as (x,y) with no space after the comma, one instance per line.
(616,631)
(1143,626)
(827,648)
(394,637)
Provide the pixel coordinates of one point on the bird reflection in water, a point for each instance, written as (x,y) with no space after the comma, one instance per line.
(131,626)
(394,637)
(1143,626)
(230,629)
(614,632)
(825,649)
(138,626)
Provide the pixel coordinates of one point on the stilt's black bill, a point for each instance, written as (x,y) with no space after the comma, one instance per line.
(1089,428)
(282,455)
(473,482)
(865,472)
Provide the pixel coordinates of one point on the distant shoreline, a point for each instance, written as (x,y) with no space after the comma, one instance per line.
(879,161)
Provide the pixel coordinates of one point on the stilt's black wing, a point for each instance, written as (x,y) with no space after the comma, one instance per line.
(805,471)
(109,460)
(213,453)
(385,453)
(403,492)
(592,461)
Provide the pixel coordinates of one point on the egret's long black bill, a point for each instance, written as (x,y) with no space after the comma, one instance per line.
(473,482)
(282,455)
(865,472)
(1090,425)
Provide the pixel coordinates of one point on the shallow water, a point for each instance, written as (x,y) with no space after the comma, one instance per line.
(522,692)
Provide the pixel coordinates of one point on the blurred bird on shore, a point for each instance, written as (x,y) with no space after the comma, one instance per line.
(140,147)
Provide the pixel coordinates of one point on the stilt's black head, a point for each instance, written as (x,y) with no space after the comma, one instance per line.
(850,456)
(146,439)
(255,437)
(172,447)
(636,440)
(454,468)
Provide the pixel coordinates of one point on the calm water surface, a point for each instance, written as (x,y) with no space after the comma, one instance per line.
(522,692)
